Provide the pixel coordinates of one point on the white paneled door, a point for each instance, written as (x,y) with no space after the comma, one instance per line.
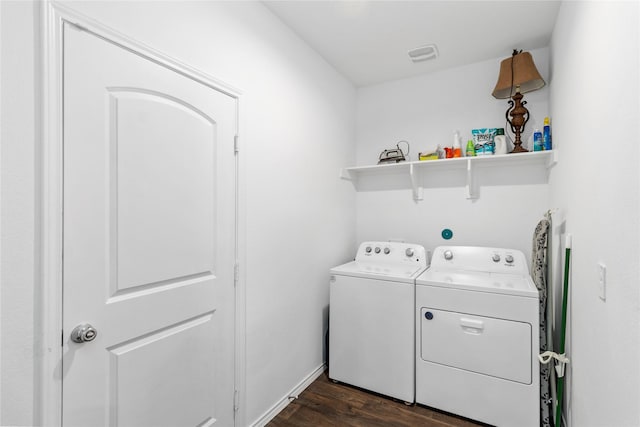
(149,241)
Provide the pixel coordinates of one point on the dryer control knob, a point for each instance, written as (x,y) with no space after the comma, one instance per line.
(496,258)
(377,250)
(368,249)
(409,252)
(448,255)
(509,259)
(387,250)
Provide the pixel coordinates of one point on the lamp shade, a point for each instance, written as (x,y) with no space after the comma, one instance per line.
(525,74)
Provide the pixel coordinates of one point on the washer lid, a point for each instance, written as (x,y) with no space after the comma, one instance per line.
(510,284)
(392,272)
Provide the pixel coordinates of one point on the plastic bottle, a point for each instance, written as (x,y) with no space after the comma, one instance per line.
(448,152)
(471,150)
(546,135)
(457,151)
(500,141)
(537,140)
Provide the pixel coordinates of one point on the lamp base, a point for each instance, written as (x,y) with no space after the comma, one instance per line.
(517,116)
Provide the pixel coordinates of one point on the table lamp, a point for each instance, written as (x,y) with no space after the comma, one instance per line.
(518,75)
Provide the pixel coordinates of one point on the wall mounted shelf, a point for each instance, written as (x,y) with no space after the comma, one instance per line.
(467,165)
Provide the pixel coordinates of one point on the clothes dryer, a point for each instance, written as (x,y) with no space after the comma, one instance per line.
(477,336)
(371,318)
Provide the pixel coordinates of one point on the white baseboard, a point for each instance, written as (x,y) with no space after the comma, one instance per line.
(286,399)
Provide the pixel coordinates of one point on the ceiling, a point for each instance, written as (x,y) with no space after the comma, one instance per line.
(367,41)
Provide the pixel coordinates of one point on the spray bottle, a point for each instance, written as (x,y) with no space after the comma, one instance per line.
(457,150)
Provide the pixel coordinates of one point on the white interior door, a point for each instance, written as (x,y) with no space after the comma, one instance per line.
(149,241)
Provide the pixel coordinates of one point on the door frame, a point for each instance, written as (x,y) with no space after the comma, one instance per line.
(48,387)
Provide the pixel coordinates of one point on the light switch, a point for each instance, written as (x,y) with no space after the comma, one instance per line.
(602,281)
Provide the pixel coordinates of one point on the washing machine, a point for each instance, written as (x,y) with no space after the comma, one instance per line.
(477,336)
(371,318)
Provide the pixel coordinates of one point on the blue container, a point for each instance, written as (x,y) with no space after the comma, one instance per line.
(537,141)
(546,134)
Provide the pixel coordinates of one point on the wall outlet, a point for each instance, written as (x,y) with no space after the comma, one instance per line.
(602,281)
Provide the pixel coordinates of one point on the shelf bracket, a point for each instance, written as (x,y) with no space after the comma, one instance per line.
(415,184)
(553,159)
(344,174)
(470,183)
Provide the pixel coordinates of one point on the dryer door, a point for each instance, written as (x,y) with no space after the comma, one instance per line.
(485,345)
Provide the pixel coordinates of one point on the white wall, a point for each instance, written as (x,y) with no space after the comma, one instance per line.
(425,111)
(17,226)
(595,95)
(297,131)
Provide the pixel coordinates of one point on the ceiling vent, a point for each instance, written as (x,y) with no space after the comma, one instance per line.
(423,53)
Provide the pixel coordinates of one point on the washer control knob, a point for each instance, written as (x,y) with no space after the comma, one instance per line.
(386,251)
(496,258)
(377,250)
(509,259)
(428,315)
(409,252)
(448,255)
(368,249)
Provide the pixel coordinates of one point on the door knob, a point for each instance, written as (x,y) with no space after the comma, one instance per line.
(83,333)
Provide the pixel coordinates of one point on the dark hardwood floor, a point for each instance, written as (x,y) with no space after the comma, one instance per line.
(325,403)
